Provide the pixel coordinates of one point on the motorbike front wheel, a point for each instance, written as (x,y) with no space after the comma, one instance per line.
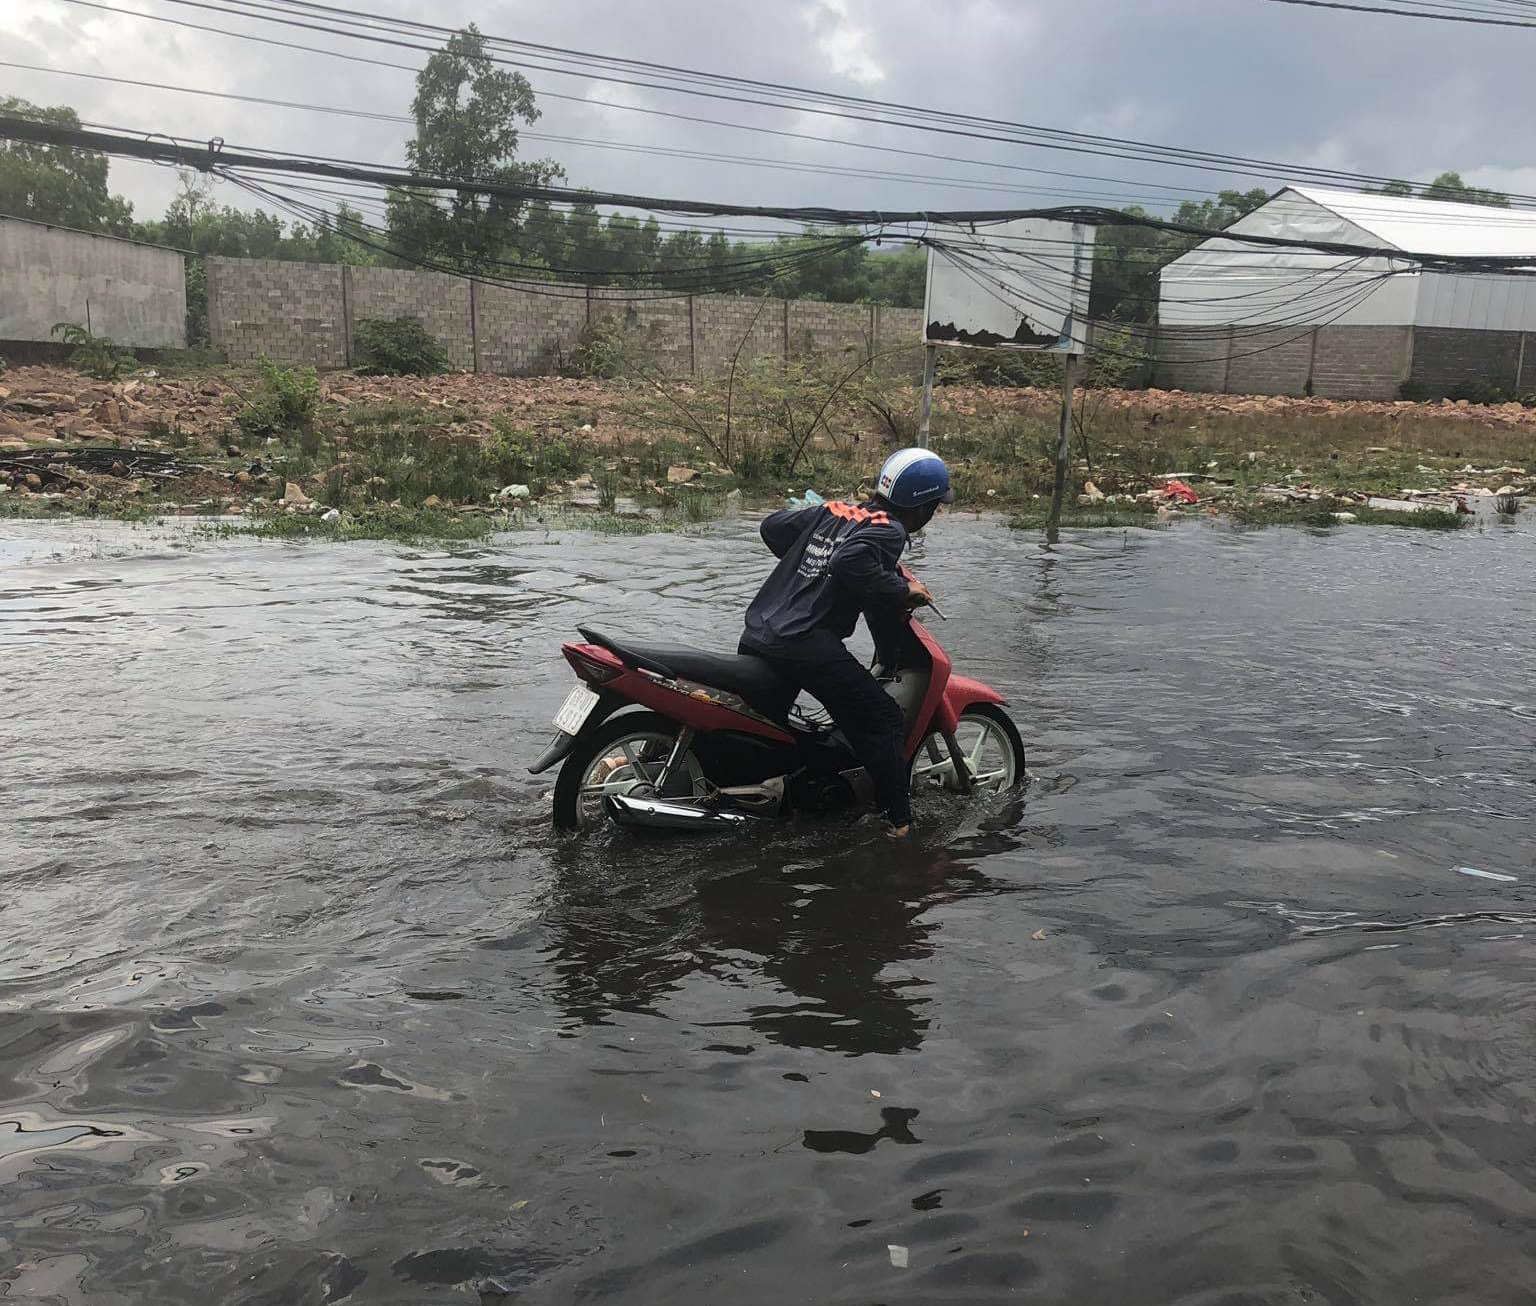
(992,748)
(625,756)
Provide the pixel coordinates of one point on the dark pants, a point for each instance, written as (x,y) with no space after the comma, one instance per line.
(860,708)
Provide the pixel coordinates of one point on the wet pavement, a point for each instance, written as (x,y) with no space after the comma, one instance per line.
(302,1002)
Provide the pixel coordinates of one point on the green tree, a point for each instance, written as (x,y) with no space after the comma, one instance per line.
(681,252)
(49,183)
(718,257)
(1127,260)
(1450,186)
(1447,186)
(467,112)
(899,277)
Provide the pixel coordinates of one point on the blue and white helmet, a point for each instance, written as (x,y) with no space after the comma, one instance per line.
(914,478)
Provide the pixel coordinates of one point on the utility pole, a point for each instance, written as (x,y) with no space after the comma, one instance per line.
(930,361)
(1063,448)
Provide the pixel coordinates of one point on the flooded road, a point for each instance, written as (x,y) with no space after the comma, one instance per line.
(301,1001)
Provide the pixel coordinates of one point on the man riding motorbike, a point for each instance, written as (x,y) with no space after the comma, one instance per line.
(836,561)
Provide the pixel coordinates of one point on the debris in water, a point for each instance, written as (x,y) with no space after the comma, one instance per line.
(1038,935)
(1488,875)
(898,1255)
(811,500)
(1175,489)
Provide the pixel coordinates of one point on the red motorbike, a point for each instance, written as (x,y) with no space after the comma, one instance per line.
(664,736)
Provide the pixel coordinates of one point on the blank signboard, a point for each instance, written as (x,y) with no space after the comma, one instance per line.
(1011,285)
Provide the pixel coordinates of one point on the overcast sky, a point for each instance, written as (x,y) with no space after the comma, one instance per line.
(1371,94)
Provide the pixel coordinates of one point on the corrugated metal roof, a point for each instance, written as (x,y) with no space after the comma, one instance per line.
(1430,226)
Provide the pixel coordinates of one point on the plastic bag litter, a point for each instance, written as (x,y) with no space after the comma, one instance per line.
(811,500)
(1488,875)
(898,1255)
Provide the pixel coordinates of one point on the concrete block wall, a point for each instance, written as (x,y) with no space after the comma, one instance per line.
(1333,362)
(527,332)
(440,302)
(136,294)
(816,329)
(1450,358)
(657,329)
(1192,359)
(308,313)
(289,312)
(1361,362)
(721,322)
(1274,362)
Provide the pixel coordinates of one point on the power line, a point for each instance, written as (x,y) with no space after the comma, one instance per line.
(1032,136)
(660,113)
(1406,13)
(217,156)
(786,165)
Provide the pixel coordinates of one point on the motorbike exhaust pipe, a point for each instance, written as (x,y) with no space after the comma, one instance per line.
(658,814)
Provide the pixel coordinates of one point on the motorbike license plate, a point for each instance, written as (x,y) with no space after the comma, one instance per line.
(575,710)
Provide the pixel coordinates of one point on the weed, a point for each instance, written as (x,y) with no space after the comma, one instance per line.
(400,346)
(96,356)
(285,403)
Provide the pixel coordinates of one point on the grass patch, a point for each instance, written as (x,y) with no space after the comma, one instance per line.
(1264,512)
(31,507)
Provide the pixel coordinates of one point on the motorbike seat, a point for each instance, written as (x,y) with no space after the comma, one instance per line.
(753,678)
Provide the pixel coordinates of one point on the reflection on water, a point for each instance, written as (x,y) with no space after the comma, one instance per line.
(301,1002)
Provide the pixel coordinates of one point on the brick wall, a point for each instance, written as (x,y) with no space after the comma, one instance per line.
(816,329)
(1340,362)
(526,332)
(1272,362)
(438,301)
(1450,358)
(308,312)
(1361,362)
(290,312)
(721,322)
(1191,359)
(657,329)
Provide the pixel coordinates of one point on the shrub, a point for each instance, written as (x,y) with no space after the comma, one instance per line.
(398,347)
(96,356)
(286,401)
(600,352)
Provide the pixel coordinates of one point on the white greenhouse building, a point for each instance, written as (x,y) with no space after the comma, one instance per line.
(1245,319)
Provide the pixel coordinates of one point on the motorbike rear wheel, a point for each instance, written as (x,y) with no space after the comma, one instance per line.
(991,745)
(624,756)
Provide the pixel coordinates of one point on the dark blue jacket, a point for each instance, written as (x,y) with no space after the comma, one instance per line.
(836,560)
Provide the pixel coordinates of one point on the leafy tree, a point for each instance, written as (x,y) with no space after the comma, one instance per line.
(467,112)
(1127,260)
(50,183)
(899,277)
(1447,186)
(1450,186)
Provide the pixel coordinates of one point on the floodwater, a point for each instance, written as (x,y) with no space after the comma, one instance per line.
(301,1002)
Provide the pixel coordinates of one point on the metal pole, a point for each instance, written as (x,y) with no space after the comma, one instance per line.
(930,359)
(1063,447)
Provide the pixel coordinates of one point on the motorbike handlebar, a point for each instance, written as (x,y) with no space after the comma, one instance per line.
(930,604)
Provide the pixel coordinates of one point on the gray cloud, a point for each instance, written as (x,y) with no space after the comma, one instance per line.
(1352,91)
